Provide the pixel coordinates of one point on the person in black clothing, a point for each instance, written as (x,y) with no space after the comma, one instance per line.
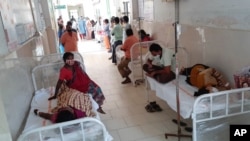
(70,23)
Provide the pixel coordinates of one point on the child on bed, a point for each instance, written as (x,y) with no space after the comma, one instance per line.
(62,115)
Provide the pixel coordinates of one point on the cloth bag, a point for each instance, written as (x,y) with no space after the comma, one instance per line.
(242,77)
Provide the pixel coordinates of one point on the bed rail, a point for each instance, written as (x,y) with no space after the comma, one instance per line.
(47,75)
(222,109)
(57,57)
(40,133)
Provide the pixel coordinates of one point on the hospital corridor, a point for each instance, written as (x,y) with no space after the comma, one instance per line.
(124,70)
(126,118)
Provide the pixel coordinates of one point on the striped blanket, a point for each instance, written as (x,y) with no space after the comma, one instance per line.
(71,97)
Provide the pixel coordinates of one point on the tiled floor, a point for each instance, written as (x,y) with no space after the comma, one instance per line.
(126,118)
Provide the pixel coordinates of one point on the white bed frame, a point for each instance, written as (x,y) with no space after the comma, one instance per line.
(22,89)
(58,57)
(219,120)
(214,123)
(39,131)
(47,75)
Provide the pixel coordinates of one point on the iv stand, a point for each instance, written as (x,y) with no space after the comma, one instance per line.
(179,134)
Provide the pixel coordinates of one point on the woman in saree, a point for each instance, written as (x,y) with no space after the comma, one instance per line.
(77,79)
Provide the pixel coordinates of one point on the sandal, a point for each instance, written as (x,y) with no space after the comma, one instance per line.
(36,112)
(126,81)
(149,108)
(100,110)
(156,106)
(181,123)
(189,129)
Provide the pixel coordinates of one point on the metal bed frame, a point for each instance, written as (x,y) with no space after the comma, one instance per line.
(235,110)
(39,131)
(47,75)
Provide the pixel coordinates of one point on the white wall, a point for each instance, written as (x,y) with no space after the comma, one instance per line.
(88,9)
(228,14)
(215,32)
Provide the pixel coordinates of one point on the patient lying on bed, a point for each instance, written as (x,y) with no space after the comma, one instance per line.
(205,78)
(71,104)
(62,115)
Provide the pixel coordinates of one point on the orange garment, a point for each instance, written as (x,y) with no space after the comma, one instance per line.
(106,42)
(129,42)
(69,41)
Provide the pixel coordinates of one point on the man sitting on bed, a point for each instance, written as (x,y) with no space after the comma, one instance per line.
(159,65)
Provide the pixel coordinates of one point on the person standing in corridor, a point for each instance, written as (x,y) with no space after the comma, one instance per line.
(69,39)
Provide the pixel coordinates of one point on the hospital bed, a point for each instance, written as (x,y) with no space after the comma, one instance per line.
(90,129)
(223,109)
(17,90)
(212,113)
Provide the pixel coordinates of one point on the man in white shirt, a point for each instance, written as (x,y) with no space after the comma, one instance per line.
(117,33)
(159,66)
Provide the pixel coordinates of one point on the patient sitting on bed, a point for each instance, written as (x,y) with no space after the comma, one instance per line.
(77,79)
(159,65)
(62,115)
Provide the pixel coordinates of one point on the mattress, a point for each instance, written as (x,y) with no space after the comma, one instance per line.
(217,103)
(167,92)
(40,101)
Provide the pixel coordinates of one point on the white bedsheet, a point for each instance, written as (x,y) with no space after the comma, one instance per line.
(40,101)
(167,92)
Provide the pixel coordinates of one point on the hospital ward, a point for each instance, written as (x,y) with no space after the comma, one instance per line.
(124,70)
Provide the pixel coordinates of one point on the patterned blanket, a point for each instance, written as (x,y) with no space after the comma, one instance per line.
(71,97)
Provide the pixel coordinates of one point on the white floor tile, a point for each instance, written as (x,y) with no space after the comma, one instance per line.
(131,133)
(114,124)
(115,135)
(126,118)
